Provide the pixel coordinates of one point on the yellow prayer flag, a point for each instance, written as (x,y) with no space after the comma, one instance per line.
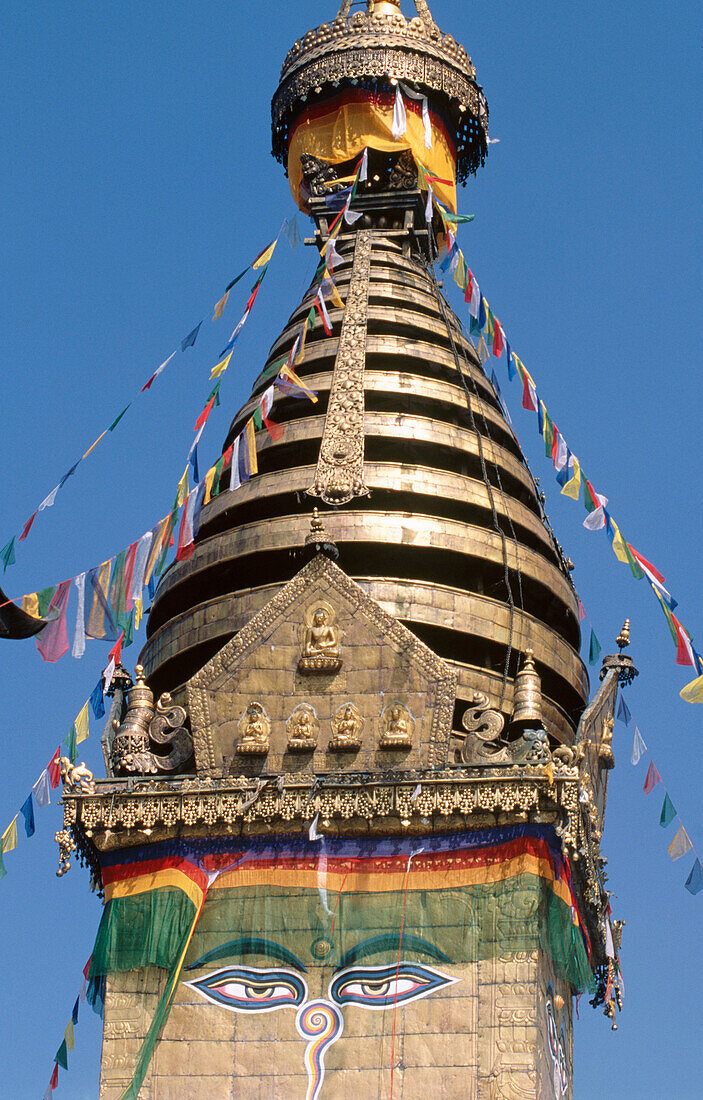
(68,1033)
(156,548)
(619,547)
(94,445)
(220,307)
(30,605)
(221,367)
(182,491)
(573,486)
(9,837)
(335,298)
(251,447)
(286,372)
(138,612)
(209,479)
(301,350)
(265,256)
(81,723)
(693,692)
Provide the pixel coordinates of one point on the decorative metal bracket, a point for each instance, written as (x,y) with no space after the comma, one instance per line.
(340,467)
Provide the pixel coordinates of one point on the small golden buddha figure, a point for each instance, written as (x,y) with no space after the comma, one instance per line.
(254,727)
(347,725)
(303,730)
(397,727)
(320,650)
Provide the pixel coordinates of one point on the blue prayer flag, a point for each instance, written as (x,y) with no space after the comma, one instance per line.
(191,337)
(65,477)
(74,1014)
(96,700)
(194,464)
(27,811)
(694,882)
(623,712)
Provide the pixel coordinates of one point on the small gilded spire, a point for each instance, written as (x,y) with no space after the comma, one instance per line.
(528,693)
(623,638)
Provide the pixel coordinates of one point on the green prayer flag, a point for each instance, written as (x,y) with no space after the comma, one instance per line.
(61,1056)
(258,418)
(458,219)
(274,368)
(125,622)
(214,392)
(116,422)
(168,532)
(594,649)
(668,812)
(44,598)
(70,742)
(117,587)
(312,317)
(7,554)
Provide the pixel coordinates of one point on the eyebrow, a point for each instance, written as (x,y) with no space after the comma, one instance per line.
(250,945)
(390,941)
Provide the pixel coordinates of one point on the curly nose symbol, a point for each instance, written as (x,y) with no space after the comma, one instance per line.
(320,1022)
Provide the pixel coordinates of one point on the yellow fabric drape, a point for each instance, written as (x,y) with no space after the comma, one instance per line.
(349,128)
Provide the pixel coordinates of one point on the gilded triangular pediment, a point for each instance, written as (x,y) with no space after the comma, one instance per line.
(322,679)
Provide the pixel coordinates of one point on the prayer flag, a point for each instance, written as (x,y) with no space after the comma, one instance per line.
(572,487)
(236,279)
(193,458)
(7,554)
(594,649)
(40,790)
(52,495)
(186,546)
(74,1014)
(220,306)
(684,649)
(651,779)
(472,294)
(322,310)
(101,610)
(265,256)
(251,448)
(157,372)
(61,1056)
(125,621)
(668,812)
(620,547)
(623,711)
(582,609)
(254,292)
(693,692)
(52,641)
(680,844)
(364,167)
(28,526)
(220,367)
(191,337)
(420,98)
(116,421)
(44,598)
(81,724)
(276,431)
(234,479)
(3,868)
(68,1035)
(9,837)
(128,585)
(198,506)
(79,629)
(498,339)
(201,421)
(638,748)
(69,742)
(291,232)
(655,578)
(529,394)
(182,491)
(117,585)
(97,701)
(235,333)
(694,882)
(27,811)
(54,1077)
(400,121)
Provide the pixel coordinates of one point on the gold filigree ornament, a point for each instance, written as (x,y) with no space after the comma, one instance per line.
(320,641)
(254,729)
(397,725)
(303,729)
(347,725)
(76,777)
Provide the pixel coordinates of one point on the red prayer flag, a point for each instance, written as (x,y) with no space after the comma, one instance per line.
(255,291)
(28,526)
(86,969)
(528,396)
(54,1076)
(276,431)
(684,650)
(205,413)
(653,777)
(116,651)
(54,769)
(147,385)
(498,340)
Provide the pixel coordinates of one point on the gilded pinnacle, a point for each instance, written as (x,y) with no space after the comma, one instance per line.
(623,638)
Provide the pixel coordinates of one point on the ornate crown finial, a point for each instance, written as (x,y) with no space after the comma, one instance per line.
(623,638)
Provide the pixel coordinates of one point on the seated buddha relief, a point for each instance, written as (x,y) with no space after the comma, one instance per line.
(321,641)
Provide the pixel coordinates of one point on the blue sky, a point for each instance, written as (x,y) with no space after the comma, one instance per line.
(137,181)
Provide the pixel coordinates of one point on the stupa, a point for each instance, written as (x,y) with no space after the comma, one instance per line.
(349,834)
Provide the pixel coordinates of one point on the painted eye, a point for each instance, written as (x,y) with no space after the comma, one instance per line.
(243,989)
(385,986)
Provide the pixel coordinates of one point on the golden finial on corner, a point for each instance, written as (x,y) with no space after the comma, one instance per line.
(623,638)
